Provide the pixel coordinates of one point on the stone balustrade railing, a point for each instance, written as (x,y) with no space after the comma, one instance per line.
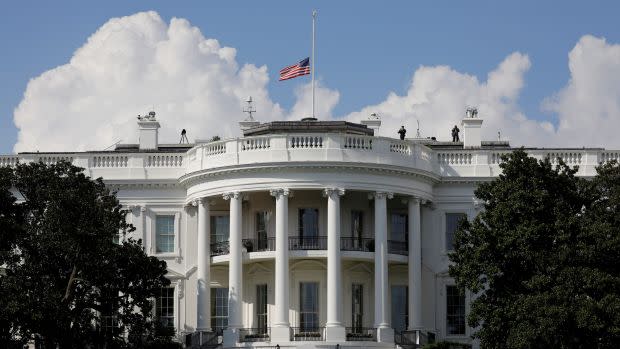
(319,148)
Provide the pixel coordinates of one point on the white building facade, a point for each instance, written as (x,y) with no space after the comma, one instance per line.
(306,233)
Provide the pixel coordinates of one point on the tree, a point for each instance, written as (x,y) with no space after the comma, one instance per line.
(64,275)
(543,257)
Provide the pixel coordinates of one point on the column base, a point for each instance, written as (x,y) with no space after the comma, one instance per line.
(385,335)
(231,337)
(280,334)
(335,334)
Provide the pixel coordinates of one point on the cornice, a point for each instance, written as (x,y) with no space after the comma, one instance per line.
(193,178)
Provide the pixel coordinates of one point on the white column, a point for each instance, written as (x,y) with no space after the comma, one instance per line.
(334,329)
(280,323)
(203,322)
(384,332)
(235,291)
(415,265)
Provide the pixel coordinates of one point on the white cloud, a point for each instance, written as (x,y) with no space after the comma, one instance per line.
(588,107)
(130,65)
(134,63)
(437,97)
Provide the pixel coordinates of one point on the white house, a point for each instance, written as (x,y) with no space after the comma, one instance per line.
(306,233)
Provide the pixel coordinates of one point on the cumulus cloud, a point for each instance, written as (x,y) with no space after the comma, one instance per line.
(135,63)
(437,97)
(588,107)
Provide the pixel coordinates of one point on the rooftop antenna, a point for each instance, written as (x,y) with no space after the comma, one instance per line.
(115,143)
(250,109)
(499,135)
(417,132)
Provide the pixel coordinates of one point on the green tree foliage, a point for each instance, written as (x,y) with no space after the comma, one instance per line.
(543,257)
(62,269)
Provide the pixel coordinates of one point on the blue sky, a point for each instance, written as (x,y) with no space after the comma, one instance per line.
(365,49)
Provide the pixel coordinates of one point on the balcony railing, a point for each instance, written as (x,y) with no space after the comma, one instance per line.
(220,248)
(398,247)
(365,334)
(357,244)
(307,243)
(254,334)
(307,334)
(259,245)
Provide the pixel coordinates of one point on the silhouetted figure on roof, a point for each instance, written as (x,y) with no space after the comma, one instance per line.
(455,134)
(402,132)
(183,137)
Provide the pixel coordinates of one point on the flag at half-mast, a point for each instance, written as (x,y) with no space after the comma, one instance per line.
(295,70)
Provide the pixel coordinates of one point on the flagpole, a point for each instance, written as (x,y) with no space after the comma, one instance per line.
(313,39)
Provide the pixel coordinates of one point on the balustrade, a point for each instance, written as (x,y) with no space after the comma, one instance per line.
(109,161)
(307,243)
(164,160)
(357,244)
(398,247)
(309,141)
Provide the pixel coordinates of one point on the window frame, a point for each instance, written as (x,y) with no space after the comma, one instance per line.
(173,302)
(317,306)
(259,313)
(446,315)
(213,307)
(153,214)
(300,230)
(463,212)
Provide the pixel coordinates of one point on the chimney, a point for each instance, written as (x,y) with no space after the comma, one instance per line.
(471,129)
(149,129)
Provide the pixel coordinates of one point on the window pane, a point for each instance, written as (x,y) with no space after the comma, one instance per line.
(219,228)
(261,308)
(164,308)
(164,233)
(400,308)
(398,227)
(309,306)
(455,311)
(357,221)
(452,221)
(357,300)
(308,222)
(219,309)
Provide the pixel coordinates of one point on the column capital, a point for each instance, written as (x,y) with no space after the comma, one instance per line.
(280,192)
(329,192)
(380,195)
(413,199)
(204,201)
(232,195)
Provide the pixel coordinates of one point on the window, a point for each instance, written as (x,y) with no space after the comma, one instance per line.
(452,222)
(220,228)
(455,311)
(399,227)
(261,230)
(164,238)
(309,306)
(261,308)
(164,307)
(357,311)
(219,309)
(357,225)
(400,308)
(308,222)
(108,319)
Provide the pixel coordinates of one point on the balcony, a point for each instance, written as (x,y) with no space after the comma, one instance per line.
(259,245)
(398,247)
(299,334)
(220,248)
(307,243)
(361,334)
(357,244)
(254,334)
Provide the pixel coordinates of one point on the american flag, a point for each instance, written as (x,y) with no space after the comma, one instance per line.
(295,70)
